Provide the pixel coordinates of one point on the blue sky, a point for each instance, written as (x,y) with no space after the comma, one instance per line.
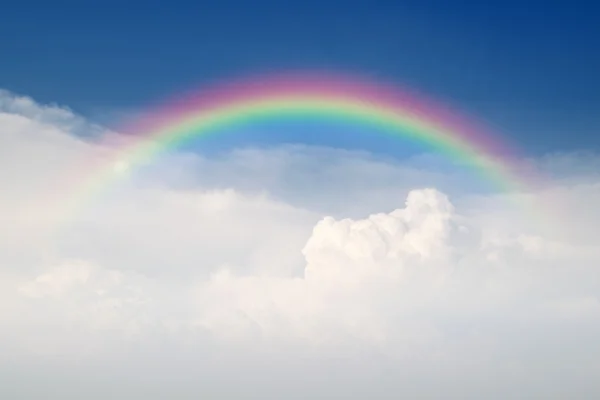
(529,69)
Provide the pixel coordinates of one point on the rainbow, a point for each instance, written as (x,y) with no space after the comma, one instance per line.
(317,96)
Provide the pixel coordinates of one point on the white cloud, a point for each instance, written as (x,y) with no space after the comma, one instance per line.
(291,272)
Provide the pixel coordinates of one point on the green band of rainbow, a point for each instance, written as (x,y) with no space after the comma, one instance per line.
(312,96)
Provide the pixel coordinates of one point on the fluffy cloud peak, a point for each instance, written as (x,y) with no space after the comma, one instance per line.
(382,245)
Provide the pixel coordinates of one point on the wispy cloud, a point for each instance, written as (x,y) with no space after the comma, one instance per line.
(293,272)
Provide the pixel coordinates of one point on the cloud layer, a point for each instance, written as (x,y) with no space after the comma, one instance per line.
(291,272)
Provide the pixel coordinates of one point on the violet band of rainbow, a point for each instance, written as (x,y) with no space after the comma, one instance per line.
(314,96)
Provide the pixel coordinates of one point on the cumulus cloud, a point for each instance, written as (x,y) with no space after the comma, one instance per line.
(290,272)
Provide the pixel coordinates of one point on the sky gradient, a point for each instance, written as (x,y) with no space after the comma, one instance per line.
(298,261)
(527,69)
